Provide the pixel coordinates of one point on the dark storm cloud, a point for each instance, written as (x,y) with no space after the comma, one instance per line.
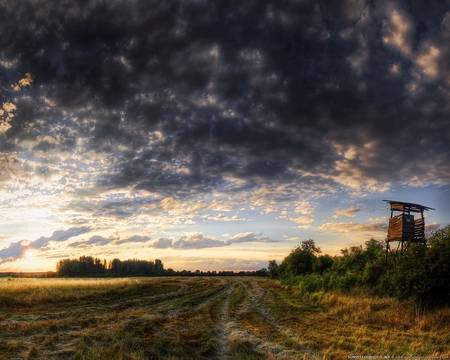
(256,90)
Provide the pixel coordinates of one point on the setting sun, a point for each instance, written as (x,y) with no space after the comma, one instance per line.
(30,254)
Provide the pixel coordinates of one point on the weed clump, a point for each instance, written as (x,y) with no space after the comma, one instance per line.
(33,352)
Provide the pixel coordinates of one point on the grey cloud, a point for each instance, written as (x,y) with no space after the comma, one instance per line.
(77,244)
(257,90)
(162,243)
(200,241)
(196,241)
(17,250)
(133,239)
(59,235)
(249,237)
(14,251)
(95,240)
(62,235)
(58,256)
(98,240)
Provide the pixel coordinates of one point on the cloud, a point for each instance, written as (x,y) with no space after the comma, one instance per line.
(162,243)
(223,217)
(249,237)
(200,241)
(428,61)
(431,227)
(196,241)
(97,240)
(17,250)
(27,80)
(59,236)
(398,32)
(236,94)
(303,219)
(350,227)
(14,251)
(350,212)
(133,239)
(63,235)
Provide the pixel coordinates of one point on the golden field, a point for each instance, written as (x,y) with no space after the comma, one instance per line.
(207,318)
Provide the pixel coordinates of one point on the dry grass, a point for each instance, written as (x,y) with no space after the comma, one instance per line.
(345,325)
(206,318)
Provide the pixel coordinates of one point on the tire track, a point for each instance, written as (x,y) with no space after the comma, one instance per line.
(288,333)
(233,331)
(224,323)
(271,320)
(192,308)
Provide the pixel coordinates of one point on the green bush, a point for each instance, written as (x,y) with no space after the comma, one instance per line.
(373,272)
(322,264)
(349,281)
(410,278)
(420,274)
(310,283)
(438,257)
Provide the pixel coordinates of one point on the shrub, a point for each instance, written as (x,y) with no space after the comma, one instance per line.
(322,264)
(310,283)
(348,281)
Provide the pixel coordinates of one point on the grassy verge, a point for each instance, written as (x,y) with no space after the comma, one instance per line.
(342,325)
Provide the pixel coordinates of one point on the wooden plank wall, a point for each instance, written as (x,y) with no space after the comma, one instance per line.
(403,227)
(395,230)
(419,228)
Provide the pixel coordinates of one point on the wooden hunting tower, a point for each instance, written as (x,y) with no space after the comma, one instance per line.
(403,228)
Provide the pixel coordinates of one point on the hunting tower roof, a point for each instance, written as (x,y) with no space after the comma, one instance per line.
(406,206)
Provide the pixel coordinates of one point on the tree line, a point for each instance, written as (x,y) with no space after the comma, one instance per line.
(89,266)
(421,273)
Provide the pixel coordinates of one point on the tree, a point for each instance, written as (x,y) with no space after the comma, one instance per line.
(438,256)
(159,267)
(374,249)
(310,246)
(299,262)
(411,277)
(273,269)
(322,264)
(353,260)
(116,267)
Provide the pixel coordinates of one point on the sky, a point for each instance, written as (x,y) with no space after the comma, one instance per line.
(217,135)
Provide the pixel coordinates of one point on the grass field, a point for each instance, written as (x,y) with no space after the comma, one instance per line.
(207,318)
